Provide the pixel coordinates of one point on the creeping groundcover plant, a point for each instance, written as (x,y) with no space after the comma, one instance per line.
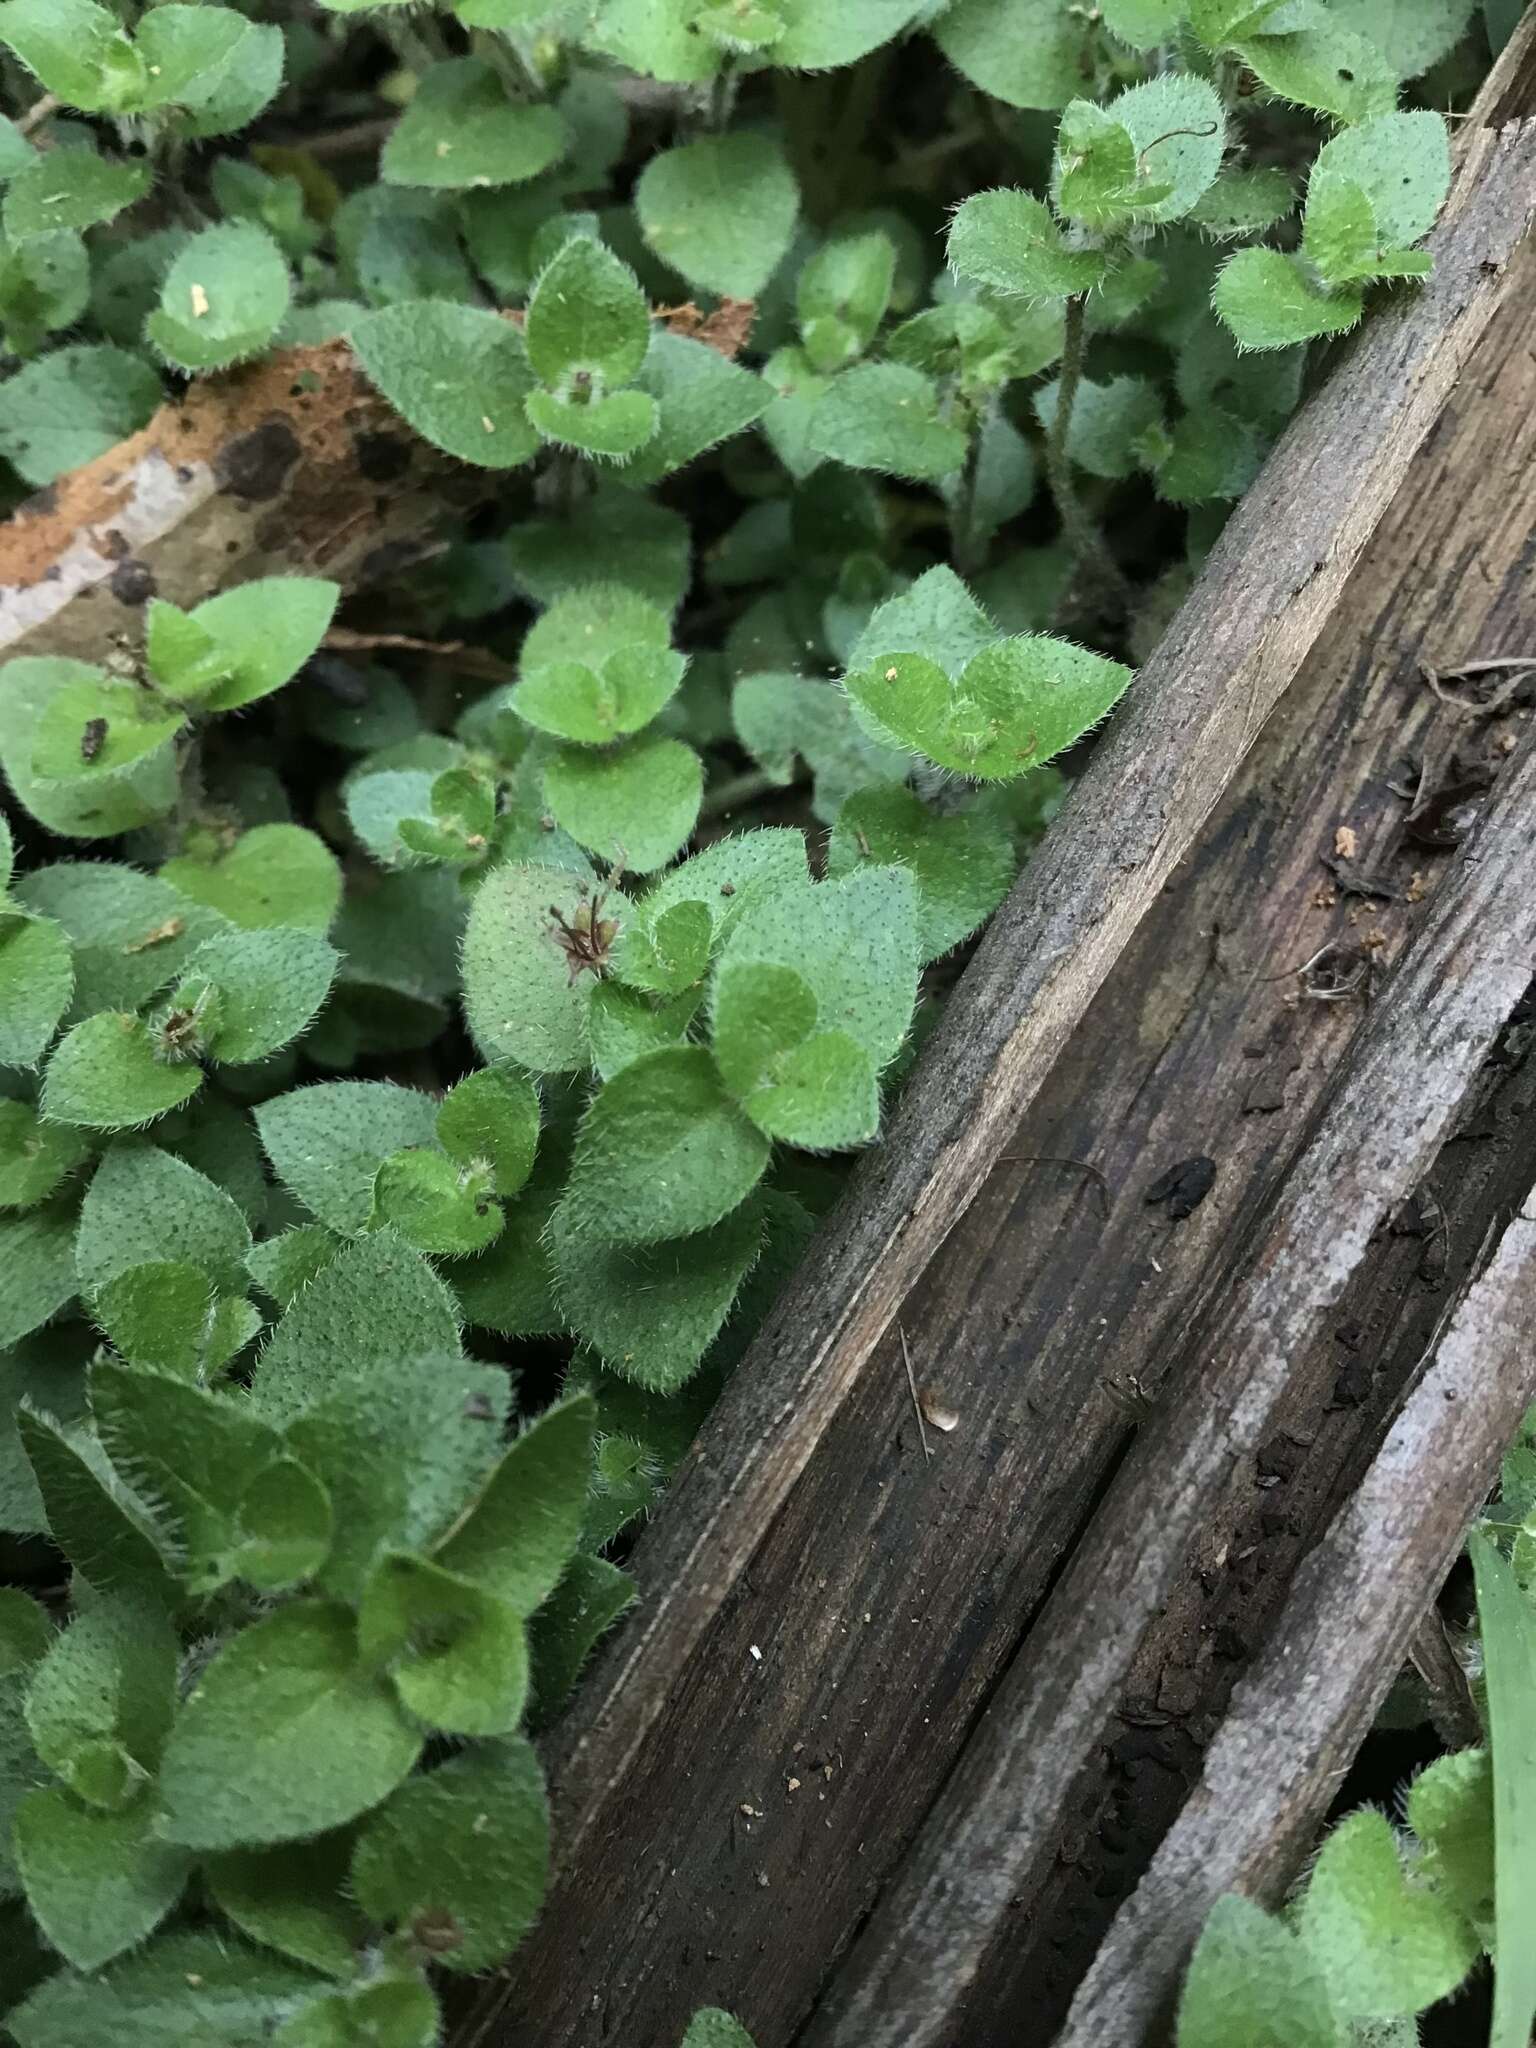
(419,1066)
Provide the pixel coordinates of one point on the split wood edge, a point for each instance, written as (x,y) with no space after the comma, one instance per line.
(1264,597)
(1273,1768)
(1374,1136)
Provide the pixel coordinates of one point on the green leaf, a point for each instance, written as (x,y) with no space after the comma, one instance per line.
(526,988)
(492,1118)
(652,1311)
(1014,705)
(100,1703)
(1402,164)
(611,536)
(74,48)
(853,941)
(193,1452)
(589,1599)
(1179,131)
(293,1899)
(261,988)
(1450,1809)
(1105,434)
(284,1734)
(327,1143)
(962,864)
(248,84)
(1096,179)
(587,319)
(1252,1980)
(457,1654)
(392,2012)
(26,1631)
(519,1533)
(701,400)
(272,875)
(71,406)
(95,809)
(460,1856)
(1339,233)
(130,934)
(1029,53)
(712,2028)
(265,631)
(885,416)
(841,296)
(571,701)
(183,1984)
(106,1075)
(1267,301)
(34,1156)
(165,1314)
(97,1883)
(69,189)
(1386,1946)
(1244,202)
(37,979)
(143,1204)
(284,1526)
(662,1152)
(720,210)
(508,1288)
(728,876)
(399,1447)
(1142,23)
(461,130)
(667,954)
(96,729)
(103,1533)
(1010,241)
(823,34)
(374,1304)
(1410,34)
(637,803)
(812,1088)
(1325,67)
(1509,1654)
(223,299)
(187,53)
(36,1269)
(436,1204)
(456,374)
(610,429)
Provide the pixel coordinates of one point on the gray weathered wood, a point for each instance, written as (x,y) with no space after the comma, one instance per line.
(1296,1720)
(891,1589)
(1201,700)
(1378,1132)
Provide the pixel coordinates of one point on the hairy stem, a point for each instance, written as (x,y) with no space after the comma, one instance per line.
(1080,530)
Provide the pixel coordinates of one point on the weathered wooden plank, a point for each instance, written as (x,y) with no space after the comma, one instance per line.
(949,1558)
(294,464)
(1379,1129)
(1273,1768)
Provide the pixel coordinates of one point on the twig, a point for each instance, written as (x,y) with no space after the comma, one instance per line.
(736,791)
(917,1406)
(1100,1180)
(349,141)
(475,661)
(1524,665)
(38,113)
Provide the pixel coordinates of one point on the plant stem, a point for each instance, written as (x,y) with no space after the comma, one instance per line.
(736,791)
(1079,528)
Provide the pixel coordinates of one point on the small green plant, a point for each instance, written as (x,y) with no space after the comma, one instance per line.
(1393,1918)
(411,1093)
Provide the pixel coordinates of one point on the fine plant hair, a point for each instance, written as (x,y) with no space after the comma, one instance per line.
(434,1017)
